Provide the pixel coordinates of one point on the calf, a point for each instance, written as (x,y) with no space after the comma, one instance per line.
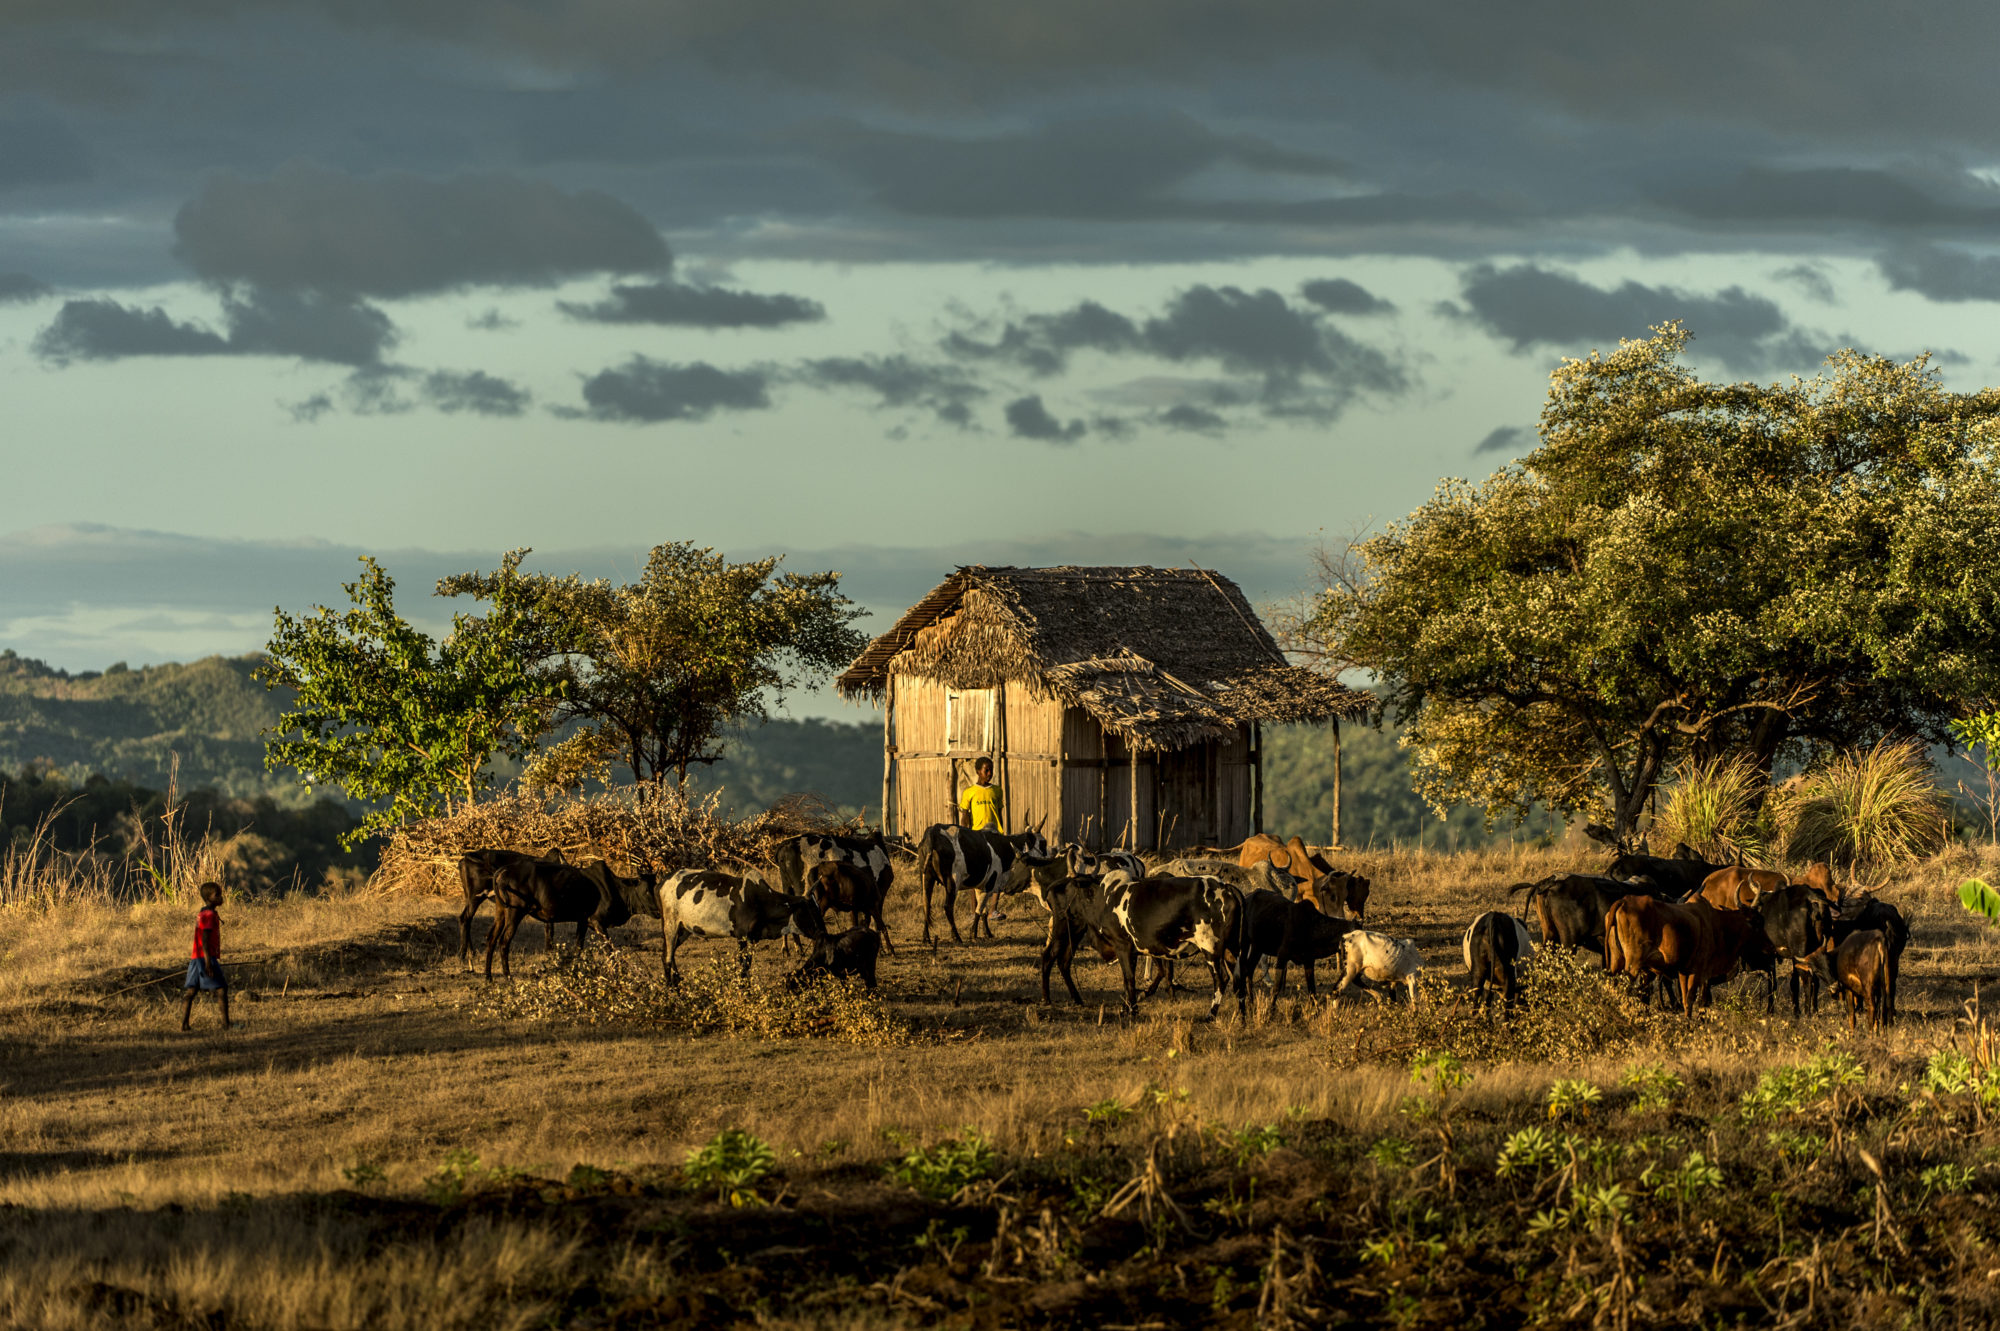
(1346,893)
(840,885)
(1691,943)
(842,954)
(1861,969)
(1153,917)
(1287,931)
(706,903)
(592,897)
(1378,960)
(959,859)
(1495,946)
(1885,919)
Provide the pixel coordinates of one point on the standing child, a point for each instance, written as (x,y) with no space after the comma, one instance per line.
(205,968)
(980,802)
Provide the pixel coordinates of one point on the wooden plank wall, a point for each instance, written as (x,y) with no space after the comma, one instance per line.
(1034,776)
(922,788)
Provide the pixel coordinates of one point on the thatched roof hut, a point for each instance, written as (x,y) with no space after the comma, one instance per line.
(1124,704)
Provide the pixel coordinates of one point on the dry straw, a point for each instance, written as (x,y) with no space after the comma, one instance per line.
(1713,808)
(1866,810)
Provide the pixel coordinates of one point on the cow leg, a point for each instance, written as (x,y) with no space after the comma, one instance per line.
(507,928)
(1159,972)
(1218,969)
(927,908)
(1128,970)
(951,913)
(670,962)
(882,928)
(465,930)
(493,936)
(1278,980)
(743,957)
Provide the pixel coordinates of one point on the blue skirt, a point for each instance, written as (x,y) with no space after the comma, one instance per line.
(199,978)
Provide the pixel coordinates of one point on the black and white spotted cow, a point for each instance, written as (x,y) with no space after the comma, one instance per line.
(1496,945)
(988,864)
(1081,862)
(707,903)
(1262,876)
(1151,917)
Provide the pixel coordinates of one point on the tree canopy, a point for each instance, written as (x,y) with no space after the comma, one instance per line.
(391,716)
(653,671)
(1685,568)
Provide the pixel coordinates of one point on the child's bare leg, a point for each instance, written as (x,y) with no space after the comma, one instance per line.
(187,1009)
(223,994)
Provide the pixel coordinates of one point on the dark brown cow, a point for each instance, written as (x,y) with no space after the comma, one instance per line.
(1861,969)
(1691,943)
(854,888)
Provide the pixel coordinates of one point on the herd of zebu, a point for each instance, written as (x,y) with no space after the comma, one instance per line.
(1681,921)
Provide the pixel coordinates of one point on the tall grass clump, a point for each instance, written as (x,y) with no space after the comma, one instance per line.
(1867,809)
(1713,807)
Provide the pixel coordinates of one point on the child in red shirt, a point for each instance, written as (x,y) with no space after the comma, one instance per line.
(205,968)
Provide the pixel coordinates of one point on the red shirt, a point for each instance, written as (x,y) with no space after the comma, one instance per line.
(207,935)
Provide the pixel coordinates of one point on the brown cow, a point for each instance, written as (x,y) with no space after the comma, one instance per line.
(1691,943)
(1739,888)
(1331,891)
(1861,969)
(839,885)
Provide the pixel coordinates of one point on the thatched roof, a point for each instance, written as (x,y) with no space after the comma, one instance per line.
(1164,657)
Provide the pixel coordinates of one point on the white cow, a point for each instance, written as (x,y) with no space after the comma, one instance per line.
(1378,961)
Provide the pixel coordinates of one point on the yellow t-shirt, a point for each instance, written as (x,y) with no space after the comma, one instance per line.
(983,803)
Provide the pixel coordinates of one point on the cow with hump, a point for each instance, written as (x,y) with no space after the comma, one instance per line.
(1690,943)
(1151,917)
(987,864)
(707,903)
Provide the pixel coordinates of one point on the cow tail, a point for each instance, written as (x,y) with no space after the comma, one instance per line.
(1239,943)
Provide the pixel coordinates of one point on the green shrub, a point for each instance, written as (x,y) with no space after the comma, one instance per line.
(733,1163)
(941,1171)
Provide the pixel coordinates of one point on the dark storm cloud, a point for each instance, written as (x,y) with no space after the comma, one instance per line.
(1840,194)
(258,323)
(1508,439)
(1530,306)
(1304,363)
(38,148)
(1027,418)
(1191,419)
(649,391)
(398,234)
(1337,295)
(899,381)
(19,288)
(1103,168)
(1942,273)
(678,303)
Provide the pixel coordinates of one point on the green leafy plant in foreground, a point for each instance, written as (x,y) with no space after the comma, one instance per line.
(733,1162)
(942,1170)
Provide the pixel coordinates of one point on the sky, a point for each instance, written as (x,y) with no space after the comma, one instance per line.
(889,286)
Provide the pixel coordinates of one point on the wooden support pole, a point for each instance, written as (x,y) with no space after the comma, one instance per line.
(1103,790)
(888,749)
(1133,751)
(1007,823)
(1336,782)
(1256,777)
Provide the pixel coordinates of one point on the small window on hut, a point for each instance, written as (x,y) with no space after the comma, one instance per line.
(968,719)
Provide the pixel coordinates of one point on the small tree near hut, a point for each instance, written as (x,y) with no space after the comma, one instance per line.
(391,716)
(655,670)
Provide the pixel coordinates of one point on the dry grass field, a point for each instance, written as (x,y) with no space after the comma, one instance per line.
(387,1141)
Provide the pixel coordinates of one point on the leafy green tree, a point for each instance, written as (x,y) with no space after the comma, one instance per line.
(654,671)
(1685,568)
(393,717)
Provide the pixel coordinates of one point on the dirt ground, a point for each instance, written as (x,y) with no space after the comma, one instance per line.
(379,1143)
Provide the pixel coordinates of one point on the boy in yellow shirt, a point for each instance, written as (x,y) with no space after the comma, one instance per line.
(980,801)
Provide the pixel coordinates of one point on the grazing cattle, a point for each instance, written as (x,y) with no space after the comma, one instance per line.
(1798,927)
(592,897)
(1328,889)
(1879,915)
(840,885)
(1151,917)
(794,858)
(1495,946)
(706,903)
(839,955)
(1738,888)
(1377,961)
(1262,877)
(1691,943)
(475,879)
(959,859)
(1570,907)
(1861,969)
(1676,877)
(1287,931)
